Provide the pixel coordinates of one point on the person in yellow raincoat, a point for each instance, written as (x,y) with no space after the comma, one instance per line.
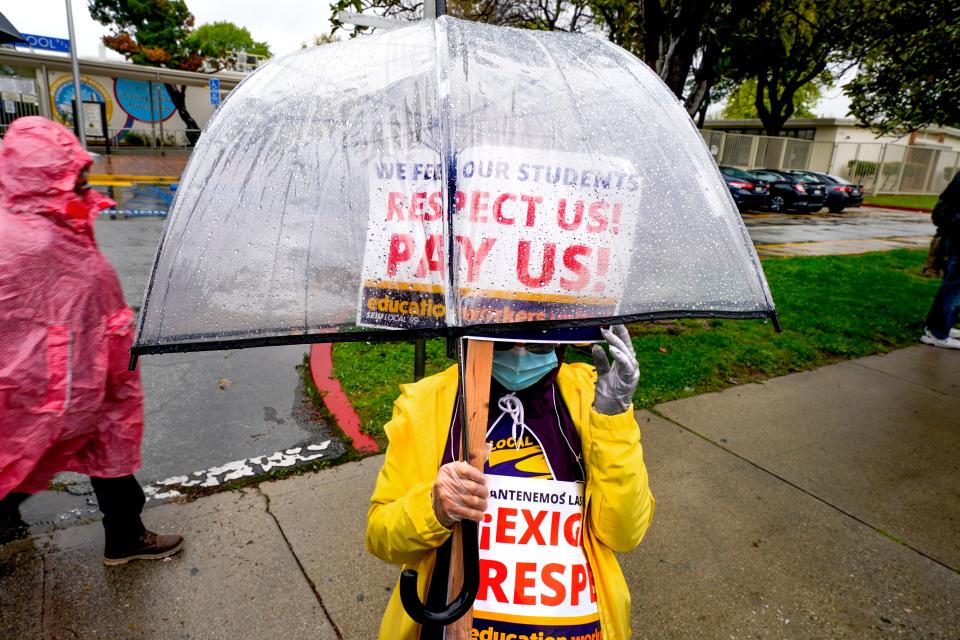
(563,489)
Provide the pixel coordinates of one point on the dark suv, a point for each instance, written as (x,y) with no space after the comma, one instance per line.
(789,191)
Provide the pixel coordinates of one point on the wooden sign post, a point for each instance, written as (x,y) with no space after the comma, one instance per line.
(477,373)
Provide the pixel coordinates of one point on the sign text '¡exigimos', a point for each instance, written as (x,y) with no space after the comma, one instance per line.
(548,584)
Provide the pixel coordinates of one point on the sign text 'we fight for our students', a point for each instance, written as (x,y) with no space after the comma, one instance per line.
(538,235)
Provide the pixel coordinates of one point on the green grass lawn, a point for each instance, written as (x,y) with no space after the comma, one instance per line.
(832,308)
(914,202)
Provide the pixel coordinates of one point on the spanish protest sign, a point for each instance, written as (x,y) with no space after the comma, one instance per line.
(538,235)
(535,581)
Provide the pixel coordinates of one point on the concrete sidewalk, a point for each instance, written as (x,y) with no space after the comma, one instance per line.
(818,505)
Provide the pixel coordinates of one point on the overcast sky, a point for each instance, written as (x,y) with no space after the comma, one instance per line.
(283,24)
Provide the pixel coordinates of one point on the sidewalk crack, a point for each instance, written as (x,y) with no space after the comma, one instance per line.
(902,379)
(805,491)
(43,594)
(303,570)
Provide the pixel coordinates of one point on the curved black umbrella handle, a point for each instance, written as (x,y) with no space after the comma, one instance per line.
(468,593)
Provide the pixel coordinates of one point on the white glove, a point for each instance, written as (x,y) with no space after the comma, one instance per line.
(615,384)
(459,493)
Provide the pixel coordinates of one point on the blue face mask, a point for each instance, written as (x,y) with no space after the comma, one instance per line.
(517,368)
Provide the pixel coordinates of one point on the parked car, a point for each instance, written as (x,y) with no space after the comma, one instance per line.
(747,190)
(792,192)
(840,193)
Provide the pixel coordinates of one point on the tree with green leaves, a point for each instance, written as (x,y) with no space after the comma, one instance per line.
(682,40)
(160,33)
(741,102)
(219,43)
(685,41)
(910,78)
(153,33)
(787,44)
(545,15)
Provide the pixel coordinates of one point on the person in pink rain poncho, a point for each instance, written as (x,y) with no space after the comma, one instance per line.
(67,400)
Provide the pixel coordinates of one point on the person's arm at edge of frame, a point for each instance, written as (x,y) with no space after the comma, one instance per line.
(622,504)
(401,523)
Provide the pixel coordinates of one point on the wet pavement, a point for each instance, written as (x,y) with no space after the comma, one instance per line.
(211,417)
(820,504)
(141,199)
(854,231)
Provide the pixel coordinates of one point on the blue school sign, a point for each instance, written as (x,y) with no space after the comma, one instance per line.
(47,43)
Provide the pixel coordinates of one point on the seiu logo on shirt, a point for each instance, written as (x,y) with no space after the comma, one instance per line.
(527,461)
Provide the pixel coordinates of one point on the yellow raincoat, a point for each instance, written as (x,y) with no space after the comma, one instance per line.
(402,528)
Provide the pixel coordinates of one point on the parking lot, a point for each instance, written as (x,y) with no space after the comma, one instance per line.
(853,231)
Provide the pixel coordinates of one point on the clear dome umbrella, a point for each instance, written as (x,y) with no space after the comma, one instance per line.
(442,178)
(446,179)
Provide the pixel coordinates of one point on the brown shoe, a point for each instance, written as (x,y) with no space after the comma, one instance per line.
(150,546)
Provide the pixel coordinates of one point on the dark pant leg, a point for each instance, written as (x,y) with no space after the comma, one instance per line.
(11,525)
(121,500)
(943,311)
(11,502)
(10,507)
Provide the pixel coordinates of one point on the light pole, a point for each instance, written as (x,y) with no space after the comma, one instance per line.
(77,97)
(431,9)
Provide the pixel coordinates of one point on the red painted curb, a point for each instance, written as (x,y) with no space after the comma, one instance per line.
(898,208)
(321,368)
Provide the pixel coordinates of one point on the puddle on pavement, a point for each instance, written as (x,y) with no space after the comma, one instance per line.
(141,199)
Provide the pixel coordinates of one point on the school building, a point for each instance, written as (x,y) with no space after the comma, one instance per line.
(131,99)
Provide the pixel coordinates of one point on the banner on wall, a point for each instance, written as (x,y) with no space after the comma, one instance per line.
(540,235)
(24,86)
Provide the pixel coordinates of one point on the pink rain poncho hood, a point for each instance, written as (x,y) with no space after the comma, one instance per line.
(67,401)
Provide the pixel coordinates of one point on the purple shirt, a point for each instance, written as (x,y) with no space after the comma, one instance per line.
(547,424)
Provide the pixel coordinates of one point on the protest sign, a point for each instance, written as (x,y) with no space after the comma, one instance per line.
(402,284)
(534,576)
(538,235)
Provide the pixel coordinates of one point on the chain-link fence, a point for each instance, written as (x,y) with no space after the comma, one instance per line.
(879,167)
